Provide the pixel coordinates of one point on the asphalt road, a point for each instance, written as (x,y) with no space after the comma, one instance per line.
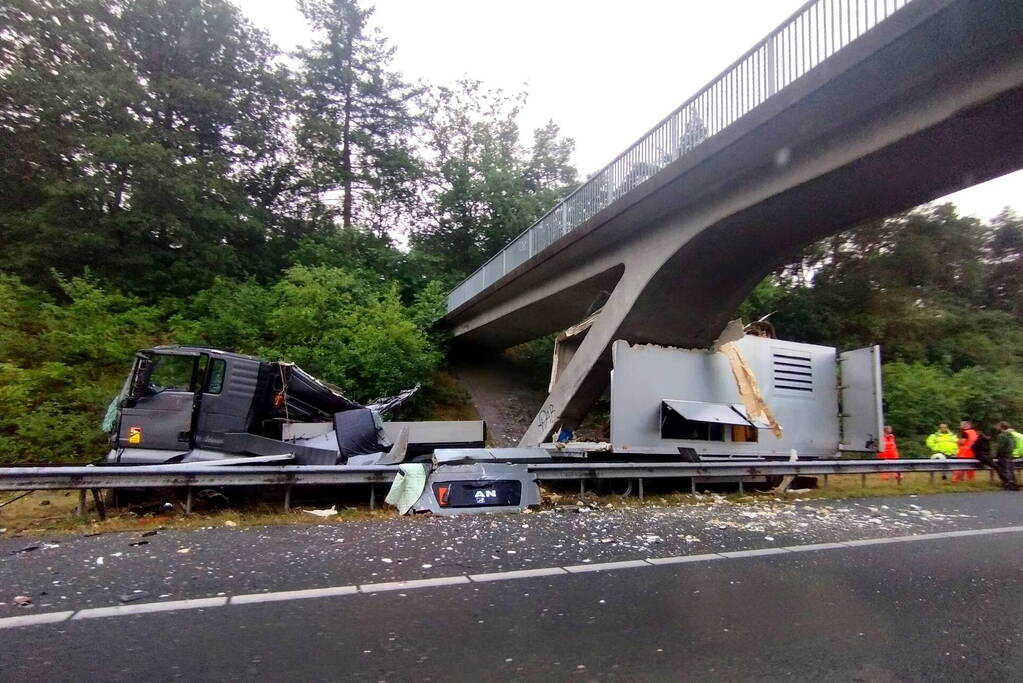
(935,608)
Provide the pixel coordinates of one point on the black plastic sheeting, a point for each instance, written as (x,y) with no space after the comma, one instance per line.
(357,432)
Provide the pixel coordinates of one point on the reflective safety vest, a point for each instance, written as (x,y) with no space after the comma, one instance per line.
(1017,452)
(942,442)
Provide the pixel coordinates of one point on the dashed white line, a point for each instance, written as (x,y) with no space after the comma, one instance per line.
(414,583)
(146,607)
(755,553)
(369,588)
(516,574)
(605,566)
(684,559)
(252,598)
(33,619)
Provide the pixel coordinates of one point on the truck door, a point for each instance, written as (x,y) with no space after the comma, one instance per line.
(159,410)
(860,399)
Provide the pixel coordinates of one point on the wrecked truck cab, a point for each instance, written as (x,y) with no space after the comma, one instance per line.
(184,403)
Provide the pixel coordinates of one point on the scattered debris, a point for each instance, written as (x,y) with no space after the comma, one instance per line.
(99,560)
(138,543)
(133,596)
(230,523)
(183,551)
(26,549)
(22,600)
(329,512)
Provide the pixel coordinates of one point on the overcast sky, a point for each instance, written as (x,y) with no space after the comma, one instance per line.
(604,71)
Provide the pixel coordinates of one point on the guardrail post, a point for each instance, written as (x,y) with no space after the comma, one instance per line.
(641,489)
(101,509)
(582,488)
(372,497)
(692,485)
(863,481)
(825,480)
(188,500)
(81,503)
(287,498)
(742,492)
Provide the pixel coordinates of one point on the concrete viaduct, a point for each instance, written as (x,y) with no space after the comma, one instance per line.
(851,110)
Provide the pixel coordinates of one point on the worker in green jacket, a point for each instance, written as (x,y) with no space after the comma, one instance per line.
(943,442)
(1003,457)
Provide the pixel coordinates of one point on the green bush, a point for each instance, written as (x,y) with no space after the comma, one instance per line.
(918,397)
(60,364)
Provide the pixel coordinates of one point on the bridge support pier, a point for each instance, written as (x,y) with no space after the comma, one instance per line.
(587,374)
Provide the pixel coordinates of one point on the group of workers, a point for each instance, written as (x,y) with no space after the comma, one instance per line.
(969,443)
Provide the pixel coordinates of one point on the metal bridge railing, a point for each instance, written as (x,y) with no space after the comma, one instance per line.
(814,33)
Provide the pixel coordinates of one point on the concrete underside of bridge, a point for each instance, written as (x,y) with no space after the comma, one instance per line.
(928,102)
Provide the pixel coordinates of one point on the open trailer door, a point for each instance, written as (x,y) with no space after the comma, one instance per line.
(860,395)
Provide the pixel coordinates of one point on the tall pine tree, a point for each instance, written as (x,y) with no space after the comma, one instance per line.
(355,125)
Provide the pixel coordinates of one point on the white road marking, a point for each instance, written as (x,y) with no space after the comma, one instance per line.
(251,598)
(755,553)
(517,574)
(414,583)
(33,619)
(146,607)
(683,559)
(605,566)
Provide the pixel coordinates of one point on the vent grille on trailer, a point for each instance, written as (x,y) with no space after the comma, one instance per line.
(793,372)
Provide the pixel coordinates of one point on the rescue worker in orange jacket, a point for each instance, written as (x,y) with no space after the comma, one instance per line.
(890,450)
(967,437)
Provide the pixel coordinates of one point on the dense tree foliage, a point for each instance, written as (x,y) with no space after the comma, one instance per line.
(166,175)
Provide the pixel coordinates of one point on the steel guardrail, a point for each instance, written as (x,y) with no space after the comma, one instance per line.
(193,476)
(815,32)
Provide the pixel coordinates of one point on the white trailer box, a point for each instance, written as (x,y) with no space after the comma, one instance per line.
(664,399)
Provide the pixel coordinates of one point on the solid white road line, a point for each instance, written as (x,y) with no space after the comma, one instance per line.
(514,574)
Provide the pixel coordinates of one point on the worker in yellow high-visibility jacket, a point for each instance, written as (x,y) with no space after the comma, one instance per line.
(943,442)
